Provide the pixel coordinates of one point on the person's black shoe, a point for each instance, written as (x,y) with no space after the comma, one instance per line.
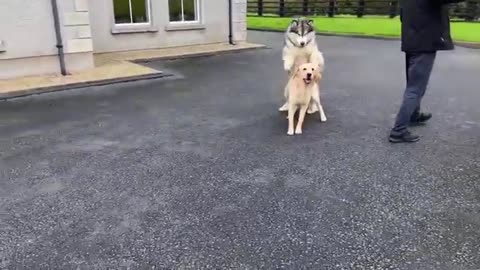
(420,118)
(406,137)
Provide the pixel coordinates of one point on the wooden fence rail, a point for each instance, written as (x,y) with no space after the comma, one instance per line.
(468,10)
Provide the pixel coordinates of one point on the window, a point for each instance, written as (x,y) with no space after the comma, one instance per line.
(183,10)
(131,11)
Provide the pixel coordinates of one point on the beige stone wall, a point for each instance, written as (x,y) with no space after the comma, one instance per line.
(76,23)
(240,20)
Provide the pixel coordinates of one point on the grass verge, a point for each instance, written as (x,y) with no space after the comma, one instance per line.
(367,26)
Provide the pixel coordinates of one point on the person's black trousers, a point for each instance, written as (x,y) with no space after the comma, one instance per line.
(418,69)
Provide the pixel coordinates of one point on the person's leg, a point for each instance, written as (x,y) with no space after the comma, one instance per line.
(419,69)
(407,67)
(408,56)
(417,115)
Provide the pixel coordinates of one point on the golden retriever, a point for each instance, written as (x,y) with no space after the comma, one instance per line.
(302,87)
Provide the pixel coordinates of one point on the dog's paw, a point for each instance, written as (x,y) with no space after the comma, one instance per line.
(298,131)
(290,132)
(323,119)
(284,108)
(312,110)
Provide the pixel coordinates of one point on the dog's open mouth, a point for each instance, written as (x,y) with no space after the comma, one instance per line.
(307,80)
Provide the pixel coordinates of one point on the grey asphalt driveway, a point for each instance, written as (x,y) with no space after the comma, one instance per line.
(198,173)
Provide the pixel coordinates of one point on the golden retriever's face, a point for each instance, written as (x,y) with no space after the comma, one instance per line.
(308,72)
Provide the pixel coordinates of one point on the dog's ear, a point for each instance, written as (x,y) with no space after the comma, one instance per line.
(317,75)
(294,25)
(310,27)
(296,72)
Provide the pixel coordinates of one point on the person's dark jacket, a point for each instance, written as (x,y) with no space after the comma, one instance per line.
(426,25)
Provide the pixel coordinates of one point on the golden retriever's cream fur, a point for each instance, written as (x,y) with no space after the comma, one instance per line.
(303,87)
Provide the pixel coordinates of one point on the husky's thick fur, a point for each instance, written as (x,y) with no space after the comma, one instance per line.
(300,48)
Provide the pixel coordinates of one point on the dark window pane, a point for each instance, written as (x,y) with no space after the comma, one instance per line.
(121,9)
(189,10)
(175,10)
(139,11)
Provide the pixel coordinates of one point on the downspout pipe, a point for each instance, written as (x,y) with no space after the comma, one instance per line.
(230,23)
(58,33)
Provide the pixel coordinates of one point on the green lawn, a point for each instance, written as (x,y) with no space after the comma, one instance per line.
(369,26)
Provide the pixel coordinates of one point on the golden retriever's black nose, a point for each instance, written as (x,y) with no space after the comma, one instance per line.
(302,43)
(309,76)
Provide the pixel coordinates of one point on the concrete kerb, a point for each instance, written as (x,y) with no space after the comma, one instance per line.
(56,88)
(158,75)
(194,55)
(468,45)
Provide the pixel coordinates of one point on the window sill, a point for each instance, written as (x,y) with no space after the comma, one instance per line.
(133,29)
(184,26)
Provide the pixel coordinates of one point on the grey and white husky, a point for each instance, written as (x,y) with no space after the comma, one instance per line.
(301,47)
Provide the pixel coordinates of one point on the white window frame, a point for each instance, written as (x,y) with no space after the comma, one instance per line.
(198,19)
(132,27)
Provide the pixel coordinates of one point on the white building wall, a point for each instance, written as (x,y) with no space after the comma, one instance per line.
(28,33)
(213,27)
(28,42)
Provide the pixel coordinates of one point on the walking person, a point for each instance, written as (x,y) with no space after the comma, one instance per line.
(425,30)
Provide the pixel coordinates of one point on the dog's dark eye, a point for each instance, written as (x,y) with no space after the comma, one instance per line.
(313,69)
(304,68)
